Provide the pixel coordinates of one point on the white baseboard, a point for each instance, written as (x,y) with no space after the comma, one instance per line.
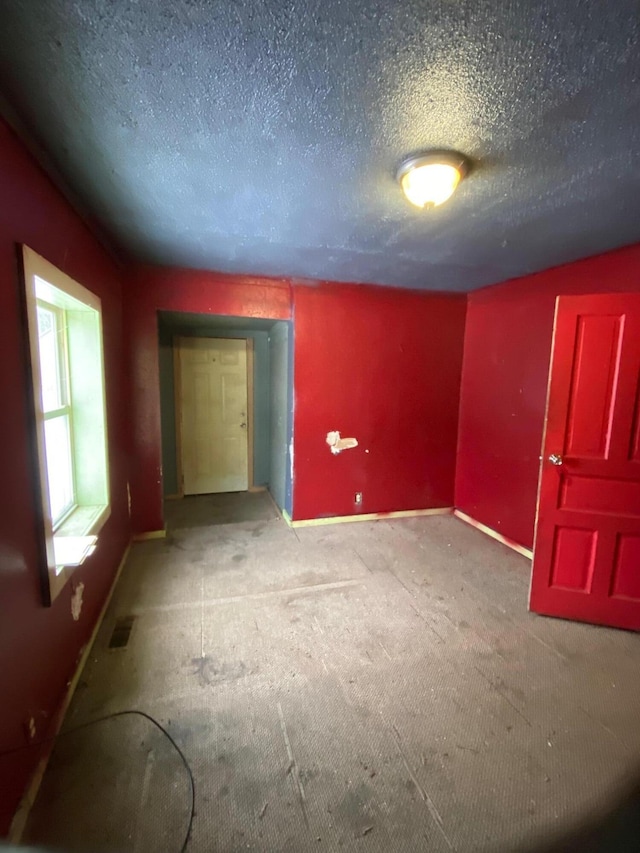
(367,516)
(526,552)
(149,534)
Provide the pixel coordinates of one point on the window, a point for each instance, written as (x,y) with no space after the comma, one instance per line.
(54,386)
(65,338)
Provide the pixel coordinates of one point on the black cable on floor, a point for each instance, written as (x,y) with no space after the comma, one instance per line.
(112,716)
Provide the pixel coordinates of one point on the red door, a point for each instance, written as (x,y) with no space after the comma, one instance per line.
(586,562)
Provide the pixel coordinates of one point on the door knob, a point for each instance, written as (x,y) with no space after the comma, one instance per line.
(555,459)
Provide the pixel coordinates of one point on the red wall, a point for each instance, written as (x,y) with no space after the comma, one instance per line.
(504,383)
(153,289)
(381,365)
(39,646)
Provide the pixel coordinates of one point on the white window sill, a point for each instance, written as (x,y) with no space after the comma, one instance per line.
(77,537)
(72,550)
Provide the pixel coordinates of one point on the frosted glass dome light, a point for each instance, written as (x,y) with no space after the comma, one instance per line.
(430,179)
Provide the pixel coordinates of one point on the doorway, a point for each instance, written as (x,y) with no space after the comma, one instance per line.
(269,389)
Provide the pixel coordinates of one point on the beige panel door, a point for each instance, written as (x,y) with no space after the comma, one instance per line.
(213,415)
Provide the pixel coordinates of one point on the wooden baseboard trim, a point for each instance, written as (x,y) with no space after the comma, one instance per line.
(173,497)
(257,489)
(21,815)
(150,534)
(526,552)
(367,516)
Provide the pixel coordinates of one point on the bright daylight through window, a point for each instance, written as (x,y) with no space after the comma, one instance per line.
(54,386)
(65,337)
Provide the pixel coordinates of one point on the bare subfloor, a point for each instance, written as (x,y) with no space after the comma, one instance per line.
(373,686)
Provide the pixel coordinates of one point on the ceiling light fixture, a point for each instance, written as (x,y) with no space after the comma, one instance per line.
(430,178)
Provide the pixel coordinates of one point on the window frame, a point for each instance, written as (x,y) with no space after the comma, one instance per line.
(68,541)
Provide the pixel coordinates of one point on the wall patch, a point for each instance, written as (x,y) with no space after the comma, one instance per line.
(76,601)
(338,444)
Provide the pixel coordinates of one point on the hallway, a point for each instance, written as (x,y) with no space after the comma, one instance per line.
(376,686)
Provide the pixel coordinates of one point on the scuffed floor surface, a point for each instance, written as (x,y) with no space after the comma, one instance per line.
(373,686)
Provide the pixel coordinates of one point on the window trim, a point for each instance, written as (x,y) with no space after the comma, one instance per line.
(66,295)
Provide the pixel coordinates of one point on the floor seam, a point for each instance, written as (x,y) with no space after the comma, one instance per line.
(251,596)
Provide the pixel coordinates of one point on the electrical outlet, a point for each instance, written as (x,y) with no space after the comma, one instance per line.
(358,498)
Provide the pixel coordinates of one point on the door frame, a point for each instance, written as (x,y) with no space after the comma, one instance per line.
(545,423)
(177,388)
(544,438)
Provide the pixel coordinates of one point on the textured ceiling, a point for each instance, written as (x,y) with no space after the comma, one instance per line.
(262,136)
